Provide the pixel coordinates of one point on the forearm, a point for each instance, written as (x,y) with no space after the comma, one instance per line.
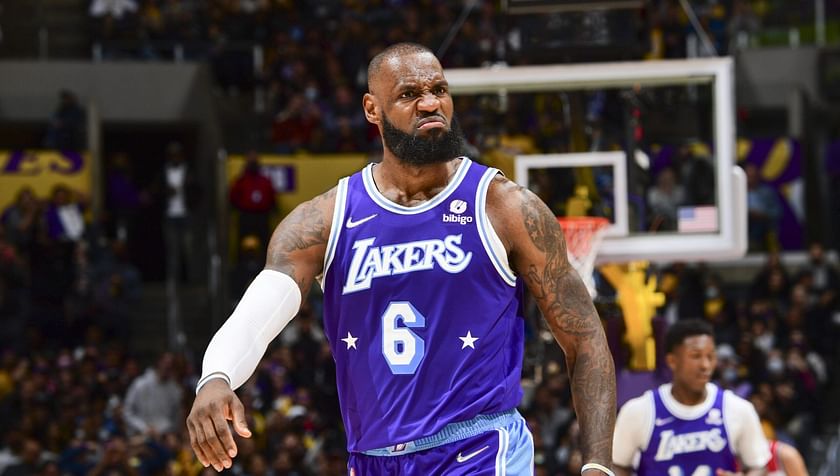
(593,391)
(576,326)
(269,303)
(539,256)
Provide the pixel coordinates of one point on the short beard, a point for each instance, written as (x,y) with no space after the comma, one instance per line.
(434,148)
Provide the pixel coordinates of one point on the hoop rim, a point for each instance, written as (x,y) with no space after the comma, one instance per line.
(584,220)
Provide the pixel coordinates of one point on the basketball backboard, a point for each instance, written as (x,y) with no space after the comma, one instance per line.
(675,115)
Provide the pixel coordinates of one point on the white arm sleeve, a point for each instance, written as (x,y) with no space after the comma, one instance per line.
(269,303)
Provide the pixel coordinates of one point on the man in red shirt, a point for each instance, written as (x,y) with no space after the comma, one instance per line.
(254,198)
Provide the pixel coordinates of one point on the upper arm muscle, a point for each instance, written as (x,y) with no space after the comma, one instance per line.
(299,242)
(537,251)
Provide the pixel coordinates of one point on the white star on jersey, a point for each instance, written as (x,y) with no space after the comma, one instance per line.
(350,341)
(469,341)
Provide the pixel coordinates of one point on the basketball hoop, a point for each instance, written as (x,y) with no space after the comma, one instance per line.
(583,237)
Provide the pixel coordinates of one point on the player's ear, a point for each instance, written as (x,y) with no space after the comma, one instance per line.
(671,360)
(369,106)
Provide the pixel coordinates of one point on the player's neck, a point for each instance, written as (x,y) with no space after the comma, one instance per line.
(410,184)
(687,396)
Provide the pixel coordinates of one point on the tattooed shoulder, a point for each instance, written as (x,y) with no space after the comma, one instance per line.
(541,224)
(523,216)
(306,228)
(527,209)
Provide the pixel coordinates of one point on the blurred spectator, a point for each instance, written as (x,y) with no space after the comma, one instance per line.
(772,281)
(11,450)
(818,283)
(116,289)
(14,279)
(21,219)
(728,370)
(54,258)
(113,8)
(295,125)
(674,29)
(743,24)
(115,460)
(181,194)
(550,408)
(663,199)
(29,462)
(123,196)
(254,198)
(344,122)
(764,211)
(251,261)
(696,175)
(825,280)
(64,216)
(153,401)
(66,129)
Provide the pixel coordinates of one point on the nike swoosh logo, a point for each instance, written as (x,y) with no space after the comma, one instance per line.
(354,224)
(464,458)
(664,421)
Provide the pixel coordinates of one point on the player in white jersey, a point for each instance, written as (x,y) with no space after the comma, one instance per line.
(691,426)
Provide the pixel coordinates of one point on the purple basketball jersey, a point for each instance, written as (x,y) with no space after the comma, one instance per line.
(687,447)
(421,312)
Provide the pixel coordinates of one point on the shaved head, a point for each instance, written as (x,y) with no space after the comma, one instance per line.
(393,51)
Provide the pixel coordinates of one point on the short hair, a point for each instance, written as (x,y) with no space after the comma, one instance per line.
(682,330)
(398,49)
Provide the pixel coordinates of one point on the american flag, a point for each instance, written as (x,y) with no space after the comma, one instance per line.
(697,219)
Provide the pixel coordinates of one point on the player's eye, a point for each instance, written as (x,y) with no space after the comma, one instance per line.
(440,90)
(407,94)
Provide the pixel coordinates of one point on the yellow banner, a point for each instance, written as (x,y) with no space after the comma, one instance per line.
(298,179)
(42,170)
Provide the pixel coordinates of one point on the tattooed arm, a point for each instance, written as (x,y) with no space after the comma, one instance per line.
(295,257)
(537,252)
(299,242)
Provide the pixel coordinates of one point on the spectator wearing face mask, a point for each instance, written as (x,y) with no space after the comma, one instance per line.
(730,371)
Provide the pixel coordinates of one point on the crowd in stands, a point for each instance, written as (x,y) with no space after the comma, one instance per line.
(311,57)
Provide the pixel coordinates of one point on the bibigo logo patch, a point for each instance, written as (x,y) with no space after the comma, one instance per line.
(458,206)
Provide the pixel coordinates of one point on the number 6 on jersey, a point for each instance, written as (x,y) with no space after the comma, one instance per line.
(402,348)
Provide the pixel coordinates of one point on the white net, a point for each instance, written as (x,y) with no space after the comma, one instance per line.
(583,237)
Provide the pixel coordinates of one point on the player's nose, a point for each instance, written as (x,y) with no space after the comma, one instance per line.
(428,102)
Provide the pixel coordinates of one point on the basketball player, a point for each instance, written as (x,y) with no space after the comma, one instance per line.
(422,259)
(785,460)
(690,426)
